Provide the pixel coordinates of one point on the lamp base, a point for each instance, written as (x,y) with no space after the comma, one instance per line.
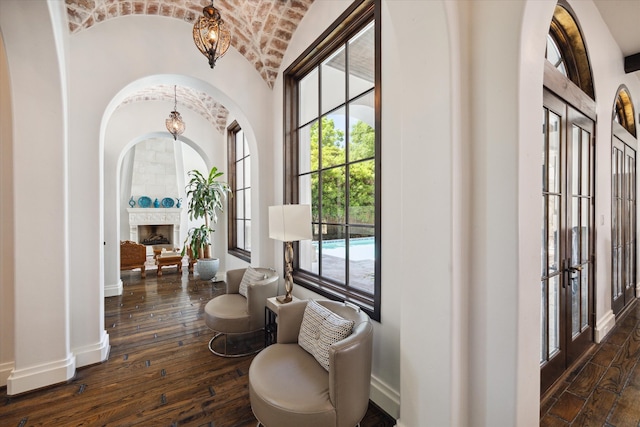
(284,299)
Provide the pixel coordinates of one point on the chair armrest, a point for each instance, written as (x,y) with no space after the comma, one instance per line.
(234,277)
(350,373)
(289,320)
(257,294)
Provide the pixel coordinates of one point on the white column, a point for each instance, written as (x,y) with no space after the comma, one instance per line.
(41,300)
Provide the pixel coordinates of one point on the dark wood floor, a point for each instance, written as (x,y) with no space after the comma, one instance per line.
(159,372)
(604,389)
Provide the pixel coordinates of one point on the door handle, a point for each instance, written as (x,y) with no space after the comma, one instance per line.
(574,269)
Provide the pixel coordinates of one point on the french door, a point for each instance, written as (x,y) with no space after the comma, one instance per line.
(623,220)
(567,276)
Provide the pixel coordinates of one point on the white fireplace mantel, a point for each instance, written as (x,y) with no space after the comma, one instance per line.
(154,216)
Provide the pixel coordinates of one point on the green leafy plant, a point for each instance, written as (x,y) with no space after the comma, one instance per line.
(205,195)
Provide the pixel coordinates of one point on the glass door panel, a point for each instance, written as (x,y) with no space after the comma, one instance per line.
(623,222)
(567,247)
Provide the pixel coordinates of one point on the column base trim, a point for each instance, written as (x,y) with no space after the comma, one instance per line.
(93,353)
(23,380)
(604,325)
(113,290)
(5,371)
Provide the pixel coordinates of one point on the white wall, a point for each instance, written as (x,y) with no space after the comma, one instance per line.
(7,258)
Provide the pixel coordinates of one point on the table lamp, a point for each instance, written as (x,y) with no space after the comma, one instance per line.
(289,223)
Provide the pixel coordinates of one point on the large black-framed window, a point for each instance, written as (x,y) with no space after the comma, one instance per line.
(239,164)
(332,157)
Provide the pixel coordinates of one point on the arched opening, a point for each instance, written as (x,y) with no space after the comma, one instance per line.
(624,146)
(568,194)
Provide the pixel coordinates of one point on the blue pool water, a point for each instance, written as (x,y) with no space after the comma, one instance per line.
(359,249)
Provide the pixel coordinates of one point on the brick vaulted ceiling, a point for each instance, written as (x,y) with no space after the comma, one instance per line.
(260,31)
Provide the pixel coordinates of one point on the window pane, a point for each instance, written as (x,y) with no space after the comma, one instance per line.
(575,231)
(239,197)
(584,221)
(574,280)
(554,153)
(334,254)
(362,198)
(333,81)
(554,315)
(543,321)
(304,186)
(545,246)
(362,258)
(240,145)
(361,61)
(247,203)
(308,103)
(240,234)
(554,233)
(333,195)
(584,300)
(575,160)
(240,174)
(332,133)
(247,235)
(247,171)
(585,163)
(308,149)
(362,133)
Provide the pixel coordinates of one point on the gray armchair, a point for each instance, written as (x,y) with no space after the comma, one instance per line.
(234,314)
(289,388)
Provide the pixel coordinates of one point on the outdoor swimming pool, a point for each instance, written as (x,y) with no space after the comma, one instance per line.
(360,249)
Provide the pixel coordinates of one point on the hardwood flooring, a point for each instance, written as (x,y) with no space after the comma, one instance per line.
(604,389)
(159,371)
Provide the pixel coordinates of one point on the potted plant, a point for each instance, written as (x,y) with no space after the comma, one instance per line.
(205,195)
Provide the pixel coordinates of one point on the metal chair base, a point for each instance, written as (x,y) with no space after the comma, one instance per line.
(252,345)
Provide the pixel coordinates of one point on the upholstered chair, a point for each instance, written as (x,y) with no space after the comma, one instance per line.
(290,387)
(241,309)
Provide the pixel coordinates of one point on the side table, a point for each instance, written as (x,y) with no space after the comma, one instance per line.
(271,310)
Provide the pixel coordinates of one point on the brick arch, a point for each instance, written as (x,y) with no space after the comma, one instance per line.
(260,29)
(200,102)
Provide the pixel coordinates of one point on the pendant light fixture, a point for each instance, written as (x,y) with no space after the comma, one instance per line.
(210,34)
(174,123)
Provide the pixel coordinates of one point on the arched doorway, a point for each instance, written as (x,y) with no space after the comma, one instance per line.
(624,146)
(567,253)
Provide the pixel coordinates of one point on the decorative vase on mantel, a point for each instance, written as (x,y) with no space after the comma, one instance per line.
(132,202)
(156,203)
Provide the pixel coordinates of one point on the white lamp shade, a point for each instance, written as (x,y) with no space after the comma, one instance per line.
(290,223)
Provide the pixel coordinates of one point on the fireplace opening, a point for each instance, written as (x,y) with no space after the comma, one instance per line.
(155,234)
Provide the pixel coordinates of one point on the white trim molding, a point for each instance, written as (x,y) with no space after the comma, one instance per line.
(385,397)
(5,371)
(604,325)
(93,353)
(113,290)
(36,377)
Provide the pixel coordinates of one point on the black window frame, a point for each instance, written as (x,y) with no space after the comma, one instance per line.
(233,249)
(359,15)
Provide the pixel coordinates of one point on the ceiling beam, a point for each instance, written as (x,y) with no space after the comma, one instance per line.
(632,63)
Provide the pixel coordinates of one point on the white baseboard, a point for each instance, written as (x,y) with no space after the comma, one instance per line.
(637,289)
(113,290)
(5,371)
(604,325)
(94,353)
(385,397)
(33,378)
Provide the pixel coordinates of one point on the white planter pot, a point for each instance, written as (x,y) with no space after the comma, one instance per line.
(207,268)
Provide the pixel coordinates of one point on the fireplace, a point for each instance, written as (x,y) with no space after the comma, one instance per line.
(155,234)
(155,226)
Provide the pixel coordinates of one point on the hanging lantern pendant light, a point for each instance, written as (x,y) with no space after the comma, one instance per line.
(174,123)
(210,34)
